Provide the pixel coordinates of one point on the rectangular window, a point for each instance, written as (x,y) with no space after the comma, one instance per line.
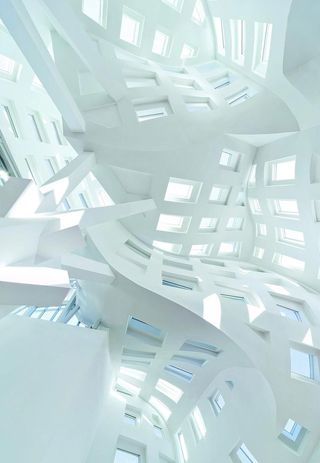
(130,419)
(7,120)
(229,248)
(158,431)
(200,250)
(220,35)
(244,455)
(219,194)
(131,27)
(217,402)
(180,372)
(151,113)
(235,223)
(286,207)
(198,424)
(258,252)
(238,40)
(282,171)
(161,43)
(35,127)
(178,283)
(9,69)
(198,14)
(55,135)
(93,9)
(262,48)
(289,262)
(304,364)
(173,392)
(123,456)
(164,411)
(173,223)
(238,97)
(145,331)
(176,4)
(288,312)
(229,159)
(175,248)
(182,191)
(252,176)
(255,206)
(183,446)
(294,237)
(199,106)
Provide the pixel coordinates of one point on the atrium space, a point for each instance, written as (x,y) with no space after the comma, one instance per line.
(159,231)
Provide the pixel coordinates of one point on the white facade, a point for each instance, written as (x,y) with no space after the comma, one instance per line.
(159,230)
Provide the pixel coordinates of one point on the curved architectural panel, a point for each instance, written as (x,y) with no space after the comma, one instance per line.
(159,212)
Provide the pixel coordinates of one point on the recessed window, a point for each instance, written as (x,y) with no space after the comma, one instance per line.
(198,424)
(238,40)
(292,314)
(289,236)
(221,81)
(54,132)
(289,262)
(262,47)
(173,223)
(126,387)
(148,111)
(292,434)
(175,248)
(200,250)
(255,206)
(147,333)
(208,224)
(238,97)
(235,223)
(316,209)
(7,121)
(261,229)
(229,159)
(123,456)
(217,402)
(93,9)
(131,26)
(176,4)
(9,69)
(282,171)
(161,43)
(258,252)
(229,248)
(164,411)
(202,347)
(286,207)
(219,194)
(252,176)
(183,446)
(178,282)
(34,124)
(304,364)
(173,392)
(243,455)
(158,431)
(130,419)
(198,14)
(187,52)
(182,191)
(133,373)
(220,35)
(179,372)
(202,105)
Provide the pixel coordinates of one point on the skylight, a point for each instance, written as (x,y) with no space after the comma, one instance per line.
(198,424)
(292,431)
(220,36)
(187,51)
(208,224)
(131,27)
(200,250)
(244,455)
(164,411)
(175,248)
(173,392)
(161,43)
(198,14)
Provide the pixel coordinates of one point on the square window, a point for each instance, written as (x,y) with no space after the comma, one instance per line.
(208,224)
(200,250)
(286,207)
(243,455)
(258,252)
(131,26)
(161,43)
(229,159)
(130,419)
(219,194)
(187,52)
(235,223)
(304,364)
(9,69)
(292,434)
(261,229)
(93,9)
(282,171)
